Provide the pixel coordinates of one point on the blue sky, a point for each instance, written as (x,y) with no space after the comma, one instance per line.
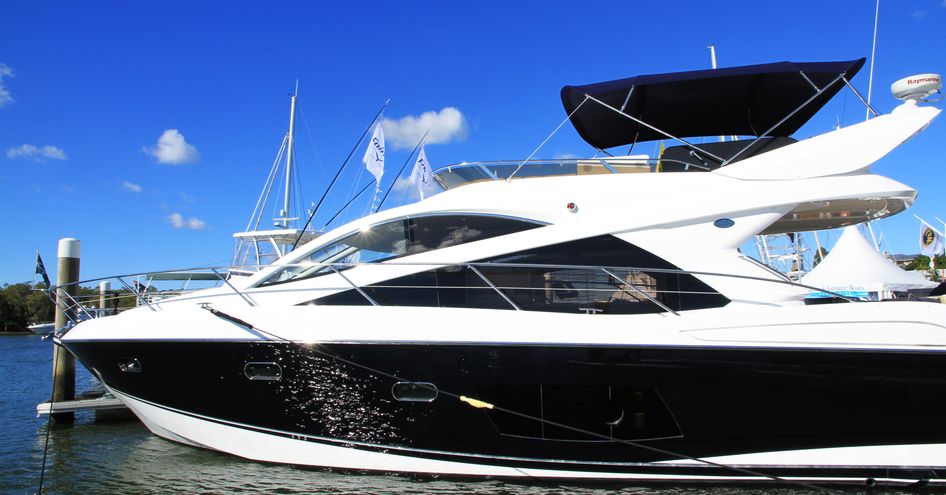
(87,90)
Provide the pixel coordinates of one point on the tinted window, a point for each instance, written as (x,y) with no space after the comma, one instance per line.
(621,413)
(402,237)
(636,280)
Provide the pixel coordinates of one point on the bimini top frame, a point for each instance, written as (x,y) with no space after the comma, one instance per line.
(766,100)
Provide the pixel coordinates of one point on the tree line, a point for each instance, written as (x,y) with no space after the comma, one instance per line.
(922,263)
(21,305)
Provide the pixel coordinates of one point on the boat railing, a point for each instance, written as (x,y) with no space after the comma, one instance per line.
(452,176)
(569,288)
(132,290)
(525,286)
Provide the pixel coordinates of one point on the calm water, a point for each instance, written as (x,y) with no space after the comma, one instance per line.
(123,457)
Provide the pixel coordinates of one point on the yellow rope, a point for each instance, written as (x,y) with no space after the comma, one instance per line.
(476,403)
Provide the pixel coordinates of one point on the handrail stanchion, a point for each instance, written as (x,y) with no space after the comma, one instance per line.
(75,304)
(136,293)
(221,277)
(501,294)
(647,296)
(353,285)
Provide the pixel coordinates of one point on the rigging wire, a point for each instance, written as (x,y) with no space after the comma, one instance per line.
(547,139)
(350,201)
(340,169)
(298,189)
(260,208)
(401,171)
(318,159)
(480,404)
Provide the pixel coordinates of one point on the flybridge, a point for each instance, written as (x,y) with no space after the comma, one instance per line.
(754,100)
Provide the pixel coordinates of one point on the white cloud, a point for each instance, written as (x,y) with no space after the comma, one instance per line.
(131,186)
(5,97)
(446,125)
(192,223)
(173,149)
(36,153)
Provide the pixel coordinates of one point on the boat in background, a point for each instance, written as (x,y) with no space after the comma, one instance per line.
(42,328)
(551,318)
(257,248)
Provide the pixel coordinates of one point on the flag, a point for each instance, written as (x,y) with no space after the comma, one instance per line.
(931,243)
(41,270)
(421,175)
(374,155)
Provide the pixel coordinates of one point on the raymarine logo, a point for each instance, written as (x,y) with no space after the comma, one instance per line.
(923,80)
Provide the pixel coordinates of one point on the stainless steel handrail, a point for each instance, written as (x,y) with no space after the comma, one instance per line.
(491,284)
(625,282)
(476,268)
(607,163)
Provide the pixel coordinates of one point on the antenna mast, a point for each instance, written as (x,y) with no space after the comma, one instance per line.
(289,155)
(873,55)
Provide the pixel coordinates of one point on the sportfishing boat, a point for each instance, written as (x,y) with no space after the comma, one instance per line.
(552,318)
(257,247)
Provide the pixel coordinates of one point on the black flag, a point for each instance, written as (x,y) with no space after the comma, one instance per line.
(41,270)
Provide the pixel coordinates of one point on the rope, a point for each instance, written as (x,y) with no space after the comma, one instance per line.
(49,420)
(480,404)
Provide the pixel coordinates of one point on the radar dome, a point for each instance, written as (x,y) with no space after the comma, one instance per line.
(917,88)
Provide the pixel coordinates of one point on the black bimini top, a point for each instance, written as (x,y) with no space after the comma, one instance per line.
(743,101)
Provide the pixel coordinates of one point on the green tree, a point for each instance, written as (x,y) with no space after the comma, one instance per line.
(20,306)
(922,262)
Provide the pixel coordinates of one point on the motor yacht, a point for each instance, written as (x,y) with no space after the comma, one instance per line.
(584,319)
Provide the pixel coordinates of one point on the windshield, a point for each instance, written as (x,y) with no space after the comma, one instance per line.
(402,237)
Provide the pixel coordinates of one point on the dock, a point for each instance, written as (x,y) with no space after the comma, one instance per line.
(96,405)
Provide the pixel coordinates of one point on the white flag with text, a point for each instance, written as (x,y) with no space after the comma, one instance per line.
(421,176)
(374,155)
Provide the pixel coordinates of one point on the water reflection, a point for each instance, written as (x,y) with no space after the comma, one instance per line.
(126,458)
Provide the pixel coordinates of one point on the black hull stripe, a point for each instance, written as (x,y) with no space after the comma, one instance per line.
(708,345)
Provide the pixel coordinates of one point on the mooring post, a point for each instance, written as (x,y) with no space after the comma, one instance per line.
(64,364)
(104,287)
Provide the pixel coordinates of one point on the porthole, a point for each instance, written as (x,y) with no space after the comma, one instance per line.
(724,223)
(262,371)
(414,391)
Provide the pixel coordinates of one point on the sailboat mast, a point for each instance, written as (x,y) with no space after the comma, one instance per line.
(289,156)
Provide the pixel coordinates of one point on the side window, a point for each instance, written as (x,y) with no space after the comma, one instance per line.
(634,279)
(615,412)
(402,237)
(566,278)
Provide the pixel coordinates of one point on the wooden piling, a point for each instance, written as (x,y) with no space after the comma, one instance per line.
(64,364)
(104,287)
